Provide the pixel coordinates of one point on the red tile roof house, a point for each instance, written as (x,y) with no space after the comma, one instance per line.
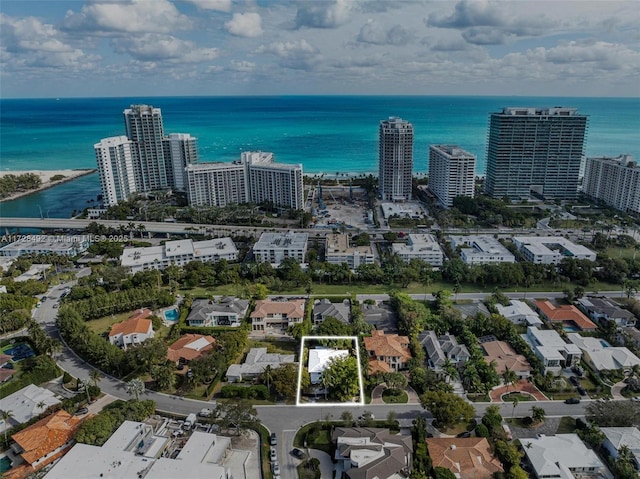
(467,458)
(135,330)
(5,373)
(43,443)
(277,315)
(189,347)
(566,314)
(390,349)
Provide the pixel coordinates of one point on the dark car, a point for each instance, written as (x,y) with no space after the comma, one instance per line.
(581,391)
(572,401)
(574,380)
(81,411)
(464,434)
(297,453)
(272,439)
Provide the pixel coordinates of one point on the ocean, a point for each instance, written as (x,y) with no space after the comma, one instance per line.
(327,134)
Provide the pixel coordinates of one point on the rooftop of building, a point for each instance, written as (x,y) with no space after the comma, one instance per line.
(468,458)
(388,345)
(453,151)
(552,456)
(565,312)
(135,325)
(505,357)
(24,403)
(603,356)
(320,358)
(198,249)
(540,245)
(257,359)
(293,308)
(290,239)
(339,244)
(190,347)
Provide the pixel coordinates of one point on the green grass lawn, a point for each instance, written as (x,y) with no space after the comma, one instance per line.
(519,396)
(452,431)
(567,425)
(103,325)
(395,396)
(315,436)
(279,347)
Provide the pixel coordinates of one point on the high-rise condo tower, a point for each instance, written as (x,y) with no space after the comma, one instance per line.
(451,173)
(395,160)
(535,150)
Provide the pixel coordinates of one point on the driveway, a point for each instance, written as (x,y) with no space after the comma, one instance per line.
(326,464)
(521,386)
(616,390)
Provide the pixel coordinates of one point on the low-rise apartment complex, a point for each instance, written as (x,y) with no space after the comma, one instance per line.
(420,246)
(339,250)
(551,249)
(275,247)
(481,249)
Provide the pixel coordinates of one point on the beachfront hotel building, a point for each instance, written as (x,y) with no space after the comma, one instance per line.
(451,173)
(395,157)
(615,181)
(182,150)
(216,184)
(115,157)
(535,150)
(144,160)
(254,178)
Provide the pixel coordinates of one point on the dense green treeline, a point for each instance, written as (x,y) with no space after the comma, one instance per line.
(11,183)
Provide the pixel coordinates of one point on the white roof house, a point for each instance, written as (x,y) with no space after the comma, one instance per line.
(179,253)
(615,437)
(561,456)
(481,249)
(420,246)
(24,404)
(319,360)
(551,249)
(255,363)
(136,448)
(554,351)
(601,355)
(519,312)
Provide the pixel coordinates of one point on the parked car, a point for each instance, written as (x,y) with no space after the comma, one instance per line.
(297,453)
(464,434)
(205,412)
(572,401)
(273,455)
(574,380)
(581,391)
(275,469)
(81,411)
(578,370)
(272,439)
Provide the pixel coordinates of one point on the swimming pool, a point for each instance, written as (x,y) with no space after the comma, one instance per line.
(171,314)
(604,343)
(5,464)
(570,329)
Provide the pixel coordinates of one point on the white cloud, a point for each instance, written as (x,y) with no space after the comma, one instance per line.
(153,47)
(245,24)
(323,14)
(297,55)
(373,32)
(27,42)
(219,5)
(242,66)
(131,16)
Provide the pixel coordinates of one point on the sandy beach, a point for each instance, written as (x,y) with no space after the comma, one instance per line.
(45,176)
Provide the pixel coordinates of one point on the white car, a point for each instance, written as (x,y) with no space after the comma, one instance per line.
(275,469)
(273,455)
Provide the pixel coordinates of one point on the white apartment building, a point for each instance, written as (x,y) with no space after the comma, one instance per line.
(395,159)
(274,247)
(338,251)
(115,158)
(54,244)
(551,249)
(216,184)
(179,253)
(278,183)
(615,181)
(481,249)
(554,351)
(180,151)
(420,246)
(451,173)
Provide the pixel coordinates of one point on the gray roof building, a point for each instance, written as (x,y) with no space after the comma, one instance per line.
(225,311)
(439,349)
(603,309)
(323,308)
(255,363)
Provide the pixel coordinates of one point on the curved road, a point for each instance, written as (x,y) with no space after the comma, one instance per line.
(282,419)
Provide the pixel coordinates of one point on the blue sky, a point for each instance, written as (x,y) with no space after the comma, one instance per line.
(270,47)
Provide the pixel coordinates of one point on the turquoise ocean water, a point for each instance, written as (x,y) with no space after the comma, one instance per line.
(325,134)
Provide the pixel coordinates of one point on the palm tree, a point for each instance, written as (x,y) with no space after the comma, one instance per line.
(41,405)
(85,385)
(515,404)
(6,414)
(267,376)
(509,377)
(95,376)
(135,388)
(141,229)
(537,414)
(449,370)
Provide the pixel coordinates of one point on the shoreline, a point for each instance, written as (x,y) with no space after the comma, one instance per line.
(45,176)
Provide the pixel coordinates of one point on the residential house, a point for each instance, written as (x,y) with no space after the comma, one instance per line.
(569,316)
(631,334)
(519,312)
(554,351)
(389,349)
(223,312)
(467,458)
(563,456)
(442,349)
(6,368)
(272,315)
(130,332)
(381,316)
(137,450)
(42,443)
(616,437)
(505,358)
(319,360)
(189,347)
(323,308)
(27,403)
(255,363)
(601,356)
(363,453)
(472,309)
(604,310)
